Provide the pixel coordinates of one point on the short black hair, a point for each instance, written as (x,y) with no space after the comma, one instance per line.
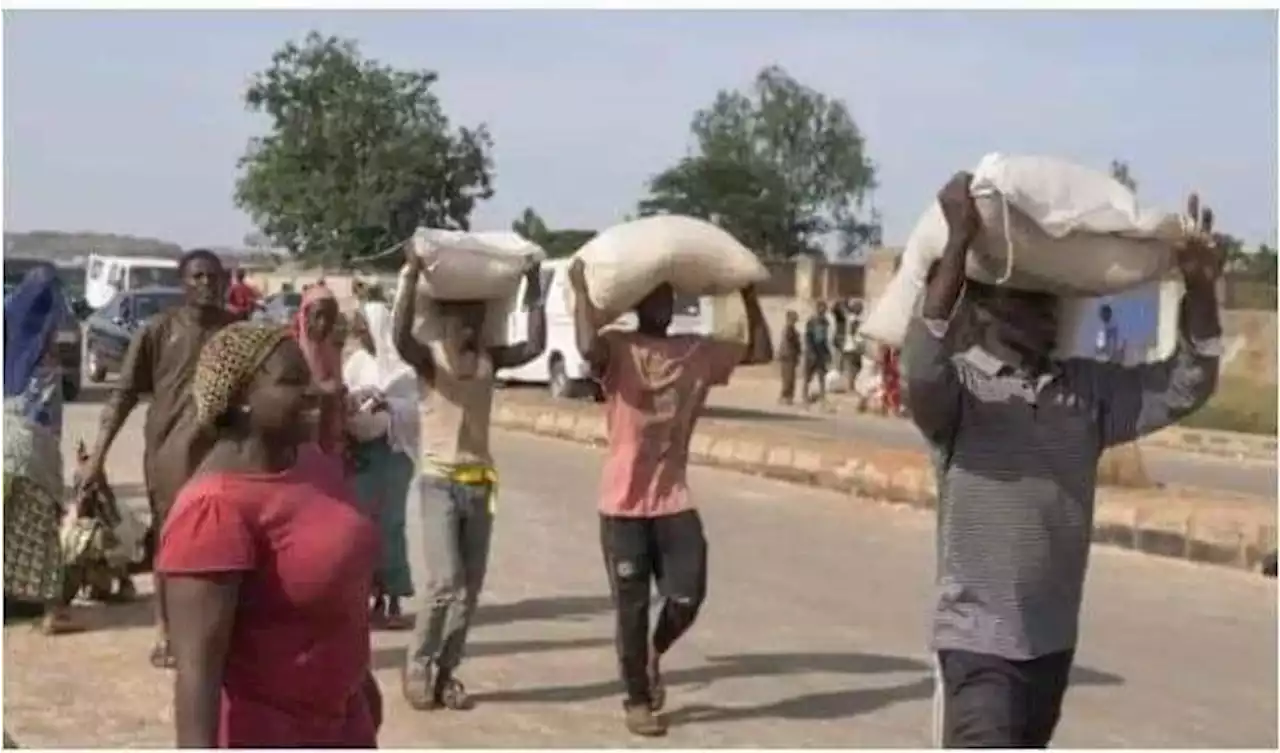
(197,254)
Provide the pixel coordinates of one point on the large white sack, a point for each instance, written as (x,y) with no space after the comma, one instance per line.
(1047,225)
(465,266)
(625,263)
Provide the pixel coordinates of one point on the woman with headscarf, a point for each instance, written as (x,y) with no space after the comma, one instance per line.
(268,560)
(383,429)
(314,326)
(33,488)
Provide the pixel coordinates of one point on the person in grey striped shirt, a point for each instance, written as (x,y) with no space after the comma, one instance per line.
(1016,436)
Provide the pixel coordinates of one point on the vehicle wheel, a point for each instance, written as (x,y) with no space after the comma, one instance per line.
(70,390)
(558,382)
(94,368)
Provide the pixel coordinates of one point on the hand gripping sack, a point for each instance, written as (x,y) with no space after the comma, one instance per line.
(625,263)
(1047,225)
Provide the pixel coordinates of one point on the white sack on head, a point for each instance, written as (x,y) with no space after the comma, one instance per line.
(465,266)
(1047,225)
(626,262)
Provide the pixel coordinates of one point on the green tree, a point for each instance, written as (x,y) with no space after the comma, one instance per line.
(557,243)
(359,154)
(781,167)
(1120,171)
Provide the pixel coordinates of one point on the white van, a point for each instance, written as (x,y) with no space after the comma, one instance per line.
(561,367)
(107,276)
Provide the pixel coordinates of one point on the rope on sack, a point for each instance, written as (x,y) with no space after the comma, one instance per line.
(1008,241)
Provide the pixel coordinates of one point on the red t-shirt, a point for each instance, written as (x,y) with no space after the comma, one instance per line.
(655,388)
(299,650)
(241,298)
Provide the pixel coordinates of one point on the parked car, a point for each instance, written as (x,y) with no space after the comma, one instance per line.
(69,340)
(278,308)
(109,329)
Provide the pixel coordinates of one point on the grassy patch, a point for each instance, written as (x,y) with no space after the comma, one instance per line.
(1239,405)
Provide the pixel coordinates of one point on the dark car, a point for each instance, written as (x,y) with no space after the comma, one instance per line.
(109,330)
(69,347)
(278,308)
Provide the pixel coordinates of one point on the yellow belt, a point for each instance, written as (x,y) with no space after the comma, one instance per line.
(470,475)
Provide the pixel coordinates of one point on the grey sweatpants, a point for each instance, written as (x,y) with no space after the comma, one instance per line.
(457,523)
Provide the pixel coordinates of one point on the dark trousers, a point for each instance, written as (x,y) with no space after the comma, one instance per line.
(816,369)
(670,550)
(787,372)
(991,702)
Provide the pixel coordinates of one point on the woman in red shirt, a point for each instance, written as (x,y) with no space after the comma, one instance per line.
(268,563)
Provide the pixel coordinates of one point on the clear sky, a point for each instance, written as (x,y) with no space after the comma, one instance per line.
(132,122)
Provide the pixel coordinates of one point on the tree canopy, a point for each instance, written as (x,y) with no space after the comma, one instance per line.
(782,167)
(556,243)
(359,154)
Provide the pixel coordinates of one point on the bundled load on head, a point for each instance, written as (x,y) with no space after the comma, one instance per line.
(471,266)
(1047,225)
(626,262)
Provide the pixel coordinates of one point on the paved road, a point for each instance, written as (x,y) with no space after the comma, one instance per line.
(813,635)
(748,400)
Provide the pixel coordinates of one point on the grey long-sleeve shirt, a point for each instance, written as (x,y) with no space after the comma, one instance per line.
(1016,457)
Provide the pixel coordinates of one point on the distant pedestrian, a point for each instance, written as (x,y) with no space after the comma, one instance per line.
(789,350)
(242,298)
(1108,346)
(655,386)
(817,352)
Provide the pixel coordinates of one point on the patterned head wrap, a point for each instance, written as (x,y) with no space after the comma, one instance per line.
(227,364)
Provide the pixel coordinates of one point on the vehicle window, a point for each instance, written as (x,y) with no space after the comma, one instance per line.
(147,306)
(95,269)
(687,305)
(153,277)
(115,274)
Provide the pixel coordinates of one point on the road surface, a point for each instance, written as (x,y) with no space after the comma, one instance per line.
(750,400)
(813,634)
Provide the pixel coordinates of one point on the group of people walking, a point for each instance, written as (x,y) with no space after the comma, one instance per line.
(279,477)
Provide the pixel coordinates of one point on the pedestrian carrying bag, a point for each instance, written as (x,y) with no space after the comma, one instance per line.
(626,262)
(467,266)
(1047,225)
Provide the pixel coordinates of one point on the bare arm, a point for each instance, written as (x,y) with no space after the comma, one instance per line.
(933,388)
(588,321)
(511,356)
(759,345)
(136,379)
(414,353)
(201,616)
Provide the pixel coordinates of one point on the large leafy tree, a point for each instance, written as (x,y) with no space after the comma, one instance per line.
(359,154)
(781,166)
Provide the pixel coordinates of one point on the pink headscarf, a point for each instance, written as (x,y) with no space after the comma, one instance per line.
(325,360)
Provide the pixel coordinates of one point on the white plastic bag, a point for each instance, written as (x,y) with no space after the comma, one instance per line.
(1048,225)
(625,263)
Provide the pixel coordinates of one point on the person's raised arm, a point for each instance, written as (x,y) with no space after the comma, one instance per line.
(587,320)
(518,354)
(136,379)
(201,610)
(933,388)
(1140,400)
(414,353)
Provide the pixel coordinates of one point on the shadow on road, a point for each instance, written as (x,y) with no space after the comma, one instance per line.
(559,608)
(751,414)
(392,657)
(826,705)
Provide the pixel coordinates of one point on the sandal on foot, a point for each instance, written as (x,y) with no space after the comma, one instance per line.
(162,657)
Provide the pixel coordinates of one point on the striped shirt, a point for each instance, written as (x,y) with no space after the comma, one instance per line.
(1016,455)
